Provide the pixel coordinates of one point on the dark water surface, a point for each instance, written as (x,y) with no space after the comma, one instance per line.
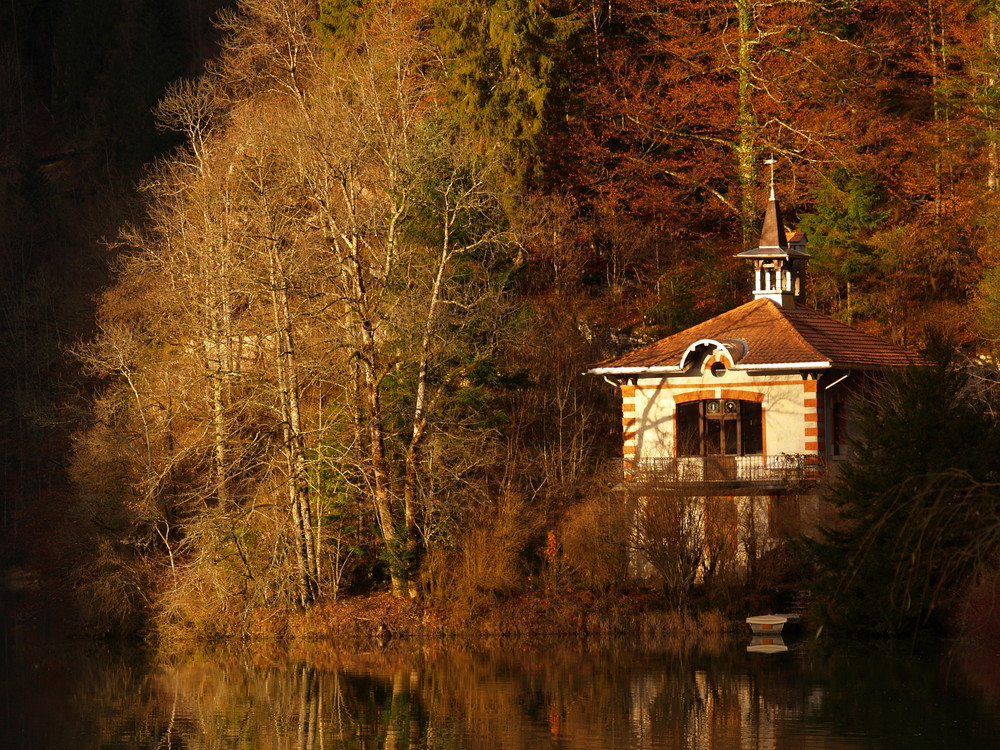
(708,694)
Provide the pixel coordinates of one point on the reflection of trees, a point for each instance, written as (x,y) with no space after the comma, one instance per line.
(196,703)
(292,706)
(676,695)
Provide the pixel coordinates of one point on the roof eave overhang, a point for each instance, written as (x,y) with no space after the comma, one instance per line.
(878,366)
(758,367)
(654,370)
(789,253)
(822,365)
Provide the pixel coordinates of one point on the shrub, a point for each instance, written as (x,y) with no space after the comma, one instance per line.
(594,535)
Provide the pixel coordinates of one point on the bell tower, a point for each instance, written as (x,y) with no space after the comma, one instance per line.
(779,262)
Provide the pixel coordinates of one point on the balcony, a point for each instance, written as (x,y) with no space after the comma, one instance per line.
(728,475)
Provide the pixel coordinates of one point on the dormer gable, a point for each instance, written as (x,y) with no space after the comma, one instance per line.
(714,356)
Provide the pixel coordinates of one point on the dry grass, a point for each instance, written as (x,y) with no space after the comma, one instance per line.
(594,539)
(527,615)
(487,565)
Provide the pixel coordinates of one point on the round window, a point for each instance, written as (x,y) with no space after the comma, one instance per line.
(718,369)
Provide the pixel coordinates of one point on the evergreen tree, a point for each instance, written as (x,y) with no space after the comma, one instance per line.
(918,504)
(502,62)
(849,208)
(338,19)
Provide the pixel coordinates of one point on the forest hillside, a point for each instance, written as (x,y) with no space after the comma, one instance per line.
(297,296)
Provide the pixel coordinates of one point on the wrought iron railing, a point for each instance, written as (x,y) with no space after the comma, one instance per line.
(779,468)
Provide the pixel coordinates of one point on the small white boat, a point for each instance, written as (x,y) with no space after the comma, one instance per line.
(764,624)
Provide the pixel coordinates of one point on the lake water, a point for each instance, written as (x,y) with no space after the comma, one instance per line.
(558,694)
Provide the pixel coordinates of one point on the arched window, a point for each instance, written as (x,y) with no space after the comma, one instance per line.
(719,427)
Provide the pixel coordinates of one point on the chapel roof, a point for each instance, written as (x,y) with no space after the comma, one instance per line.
(773,337)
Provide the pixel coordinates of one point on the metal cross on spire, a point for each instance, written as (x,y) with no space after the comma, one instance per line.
(771,162)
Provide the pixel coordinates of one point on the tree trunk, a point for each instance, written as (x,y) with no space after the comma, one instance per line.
(381,492)
(294,444)
(420,415)
(746,123)
(936,110)
(218,366)
(990,108)
(363,327)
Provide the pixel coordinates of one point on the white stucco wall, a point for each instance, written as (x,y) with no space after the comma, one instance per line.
(791,413)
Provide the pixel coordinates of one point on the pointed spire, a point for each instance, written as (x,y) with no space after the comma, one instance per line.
(773,232)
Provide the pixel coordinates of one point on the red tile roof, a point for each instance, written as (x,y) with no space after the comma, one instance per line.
(773,336)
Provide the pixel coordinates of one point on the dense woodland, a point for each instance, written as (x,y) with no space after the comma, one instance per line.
(297,296)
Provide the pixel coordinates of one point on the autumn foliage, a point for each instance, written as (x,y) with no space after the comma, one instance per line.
(338,339)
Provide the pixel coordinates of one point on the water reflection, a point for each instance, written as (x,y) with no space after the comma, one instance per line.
(767,644)
(612,695)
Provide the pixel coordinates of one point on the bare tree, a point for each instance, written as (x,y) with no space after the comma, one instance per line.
(394,200)
(298,264)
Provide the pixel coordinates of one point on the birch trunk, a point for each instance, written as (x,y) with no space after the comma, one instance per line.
(362,329)
(420,414)
(218,359)
(292,434)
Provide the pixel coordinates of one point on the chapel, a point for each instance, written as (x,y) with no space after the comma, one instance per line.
(751,408)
